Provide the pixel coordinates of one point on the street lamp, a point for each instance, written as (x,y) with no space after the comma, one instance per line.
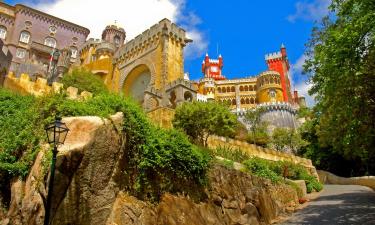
(56,134)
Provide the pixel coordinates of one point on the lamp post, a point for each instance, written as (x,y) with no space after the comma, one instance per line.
(56,134)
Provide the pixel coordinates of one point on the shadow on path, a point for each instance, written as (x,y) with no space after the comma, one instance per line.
(338,204)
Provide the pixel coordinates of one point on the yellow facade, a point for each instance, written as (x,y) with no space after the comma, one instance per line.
(157,53)
(244,93)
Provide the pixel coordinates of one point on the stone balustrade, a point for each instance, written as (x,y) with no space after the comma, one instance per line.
(257,151)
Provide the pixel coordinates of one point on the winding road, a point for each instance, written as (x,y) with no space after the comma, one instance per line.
(338,204)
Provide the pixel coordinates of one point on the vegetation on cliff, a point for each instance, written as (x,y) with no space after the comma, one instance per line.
(157,160)
(276,171)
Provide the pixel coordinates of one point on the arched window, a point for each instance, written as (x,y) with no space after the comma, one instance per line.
(228,89)
(251,88)
(224,90)
(74,52)
(232,89)
(233,101)
(25,37)
(241,88)
(242,101)
(219,90)
(51,42)
(252,101)
(247,101)
(3,32)
(246,88)
(255,87)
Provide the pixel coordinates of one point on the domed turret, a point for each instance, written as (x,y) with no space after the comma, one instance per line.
(114,34)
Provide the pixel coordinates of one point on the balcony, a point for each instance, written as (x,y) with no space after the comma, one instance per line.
(41,47)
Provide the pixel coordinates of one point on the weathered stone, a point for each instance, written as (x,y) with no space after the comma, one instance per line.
(87,188)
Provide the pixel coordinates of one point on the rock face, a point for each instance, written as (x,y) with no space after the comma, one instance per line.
(87,188)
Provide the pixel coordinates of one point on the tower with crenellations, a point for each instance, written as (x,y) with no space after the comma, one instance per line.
(270,89)
(278,61)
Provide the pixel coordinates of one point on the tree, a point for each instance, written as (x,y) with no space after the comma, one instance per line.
(341,66)
(259,136)
(84,81)
(253,118)
(287,139)
(280,138)
(199,120)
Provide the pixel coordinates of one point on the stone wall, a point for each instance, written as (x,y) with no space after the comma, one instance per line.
(257,151)
(329,178)
(90,176)
(162,117)
(24,85)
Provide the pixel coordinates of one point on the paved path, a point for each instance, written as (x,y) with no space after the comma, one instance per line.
(338,204)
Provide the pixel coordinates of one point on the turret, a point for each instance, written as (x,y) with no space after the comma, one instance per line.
(114,34)
(278,61)
(212,68)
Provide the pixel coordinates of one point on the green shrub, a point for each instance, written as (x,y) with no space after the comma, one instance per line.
(295,187)
(260,167)
(199,120)
(275,171)
(85,81)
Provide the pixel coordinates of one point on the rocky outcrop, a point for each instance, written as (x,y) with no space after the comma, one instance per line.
(89,180)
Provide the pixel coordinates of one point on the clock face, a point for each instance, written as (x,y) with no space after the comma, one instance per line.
(214,69)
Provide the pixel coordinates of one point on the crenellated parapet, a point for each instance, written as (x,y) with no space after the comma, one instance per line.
(181,82)
(40,87)
(149,40)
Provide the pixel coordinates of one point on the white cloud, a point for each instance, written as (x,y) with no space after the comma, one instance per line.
(303,88)
(134,16)
(310,10)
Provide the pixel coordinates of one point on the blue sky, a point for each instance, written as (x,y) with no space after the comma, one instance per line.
(243,30)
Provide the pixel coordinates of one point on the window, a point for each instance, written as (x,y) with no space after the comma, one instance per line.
(74,52)
(52,29)
(3,32)
(51,42)
(25,37)
(117,40)
(20,53)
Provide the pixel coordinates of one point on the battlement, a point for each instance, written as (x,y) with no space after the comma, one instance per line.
(215,61)
(269,72)
(89,43)
(40,87)
(273,56)
(165,26)
(180,81)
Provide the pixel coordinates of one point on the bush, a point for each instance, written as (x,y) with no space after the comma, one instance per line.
(199,120)
(275,171)
(84,81)
(260,167)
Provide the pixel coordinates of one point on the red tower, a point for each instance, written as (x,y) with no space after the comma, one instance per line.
(211,68)
(278,62)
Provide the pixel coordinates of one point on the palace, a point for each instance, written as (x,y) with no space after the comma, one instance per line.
(149,68)
(270,89)
(30,36)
